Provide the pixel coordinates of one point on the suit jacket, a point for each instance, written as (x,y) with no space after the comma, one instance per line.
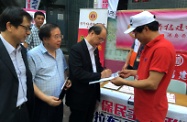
(81,95)
(9,86)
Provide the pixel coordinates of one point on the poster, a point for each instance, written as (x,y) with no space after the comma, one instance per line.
(32,4)
(111,5)
(89,17)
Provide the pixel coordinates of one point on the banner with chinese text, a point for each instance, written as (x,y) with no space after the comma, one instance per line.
(180,71)
(173,25)
(111,5)
(89,17)
(119,107)
(32,4)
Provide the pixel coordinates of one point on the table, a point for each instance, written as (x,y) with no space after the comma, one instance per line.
(116,106)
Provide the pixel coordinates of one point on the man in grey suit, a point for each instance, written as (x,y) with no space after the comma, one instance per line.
(16,87)
(84,67)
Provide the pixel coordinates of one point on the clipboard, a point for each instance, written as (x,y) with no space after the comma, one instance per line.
(63,92)
(64,83)
(113,75)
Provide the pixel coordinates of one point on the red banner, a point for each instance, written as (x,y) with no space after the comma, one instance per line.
(173,25)
(180,72)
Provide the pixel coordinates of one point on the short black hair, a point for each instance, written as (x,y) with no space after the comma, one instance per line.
(45,30)
(39,13)
(14,15)
(97,28)
(154,26)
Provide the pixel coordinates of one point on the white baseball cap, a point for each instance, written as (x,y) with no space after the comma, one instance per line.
(140,19)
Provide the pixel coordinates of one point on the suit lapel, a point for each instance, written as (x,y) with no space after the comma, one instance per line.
(87,54)
(5,58)
(96,55)
(24,56)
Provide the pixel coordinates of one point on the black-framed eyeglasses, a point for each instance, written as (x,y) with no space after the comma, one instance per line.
(26,28)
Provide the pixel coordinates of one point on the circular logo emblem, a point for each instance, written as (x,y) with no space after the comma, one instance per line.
(179,60)
(93,16)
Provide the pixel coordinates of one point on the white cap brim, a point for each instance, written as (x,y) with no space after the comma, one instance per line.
(129,30)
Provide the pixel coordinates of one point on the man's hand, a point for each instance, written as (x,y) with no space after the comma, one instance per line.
(126,73)
(68,85)
(118,81)
(53,101)
(106,73)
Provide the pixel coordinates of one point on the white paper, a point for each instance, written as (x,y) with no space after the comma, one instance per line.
(113,75)
(111,86)
(171,97)
(127,89)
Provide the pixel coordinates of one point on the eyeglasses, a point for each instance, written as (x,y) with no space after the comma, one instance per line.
(26,28)
(101,39)
(58,36)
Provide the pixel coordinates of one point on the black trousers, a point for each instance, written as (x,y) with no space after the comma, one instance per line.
(46,113)
(82,115)
(22,114)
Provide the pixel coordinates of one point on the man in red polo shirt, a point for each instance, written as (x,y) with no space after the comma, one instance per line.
(155,69)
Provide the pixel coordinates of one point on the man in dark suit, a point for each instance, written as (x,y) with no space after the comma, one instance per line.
(16,87)
(84,67)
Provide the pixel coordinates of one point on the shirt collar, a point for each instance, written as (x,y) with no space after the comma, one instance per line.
(8,46)
(158,38)
(90,47)
(35,28)
(43,49)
